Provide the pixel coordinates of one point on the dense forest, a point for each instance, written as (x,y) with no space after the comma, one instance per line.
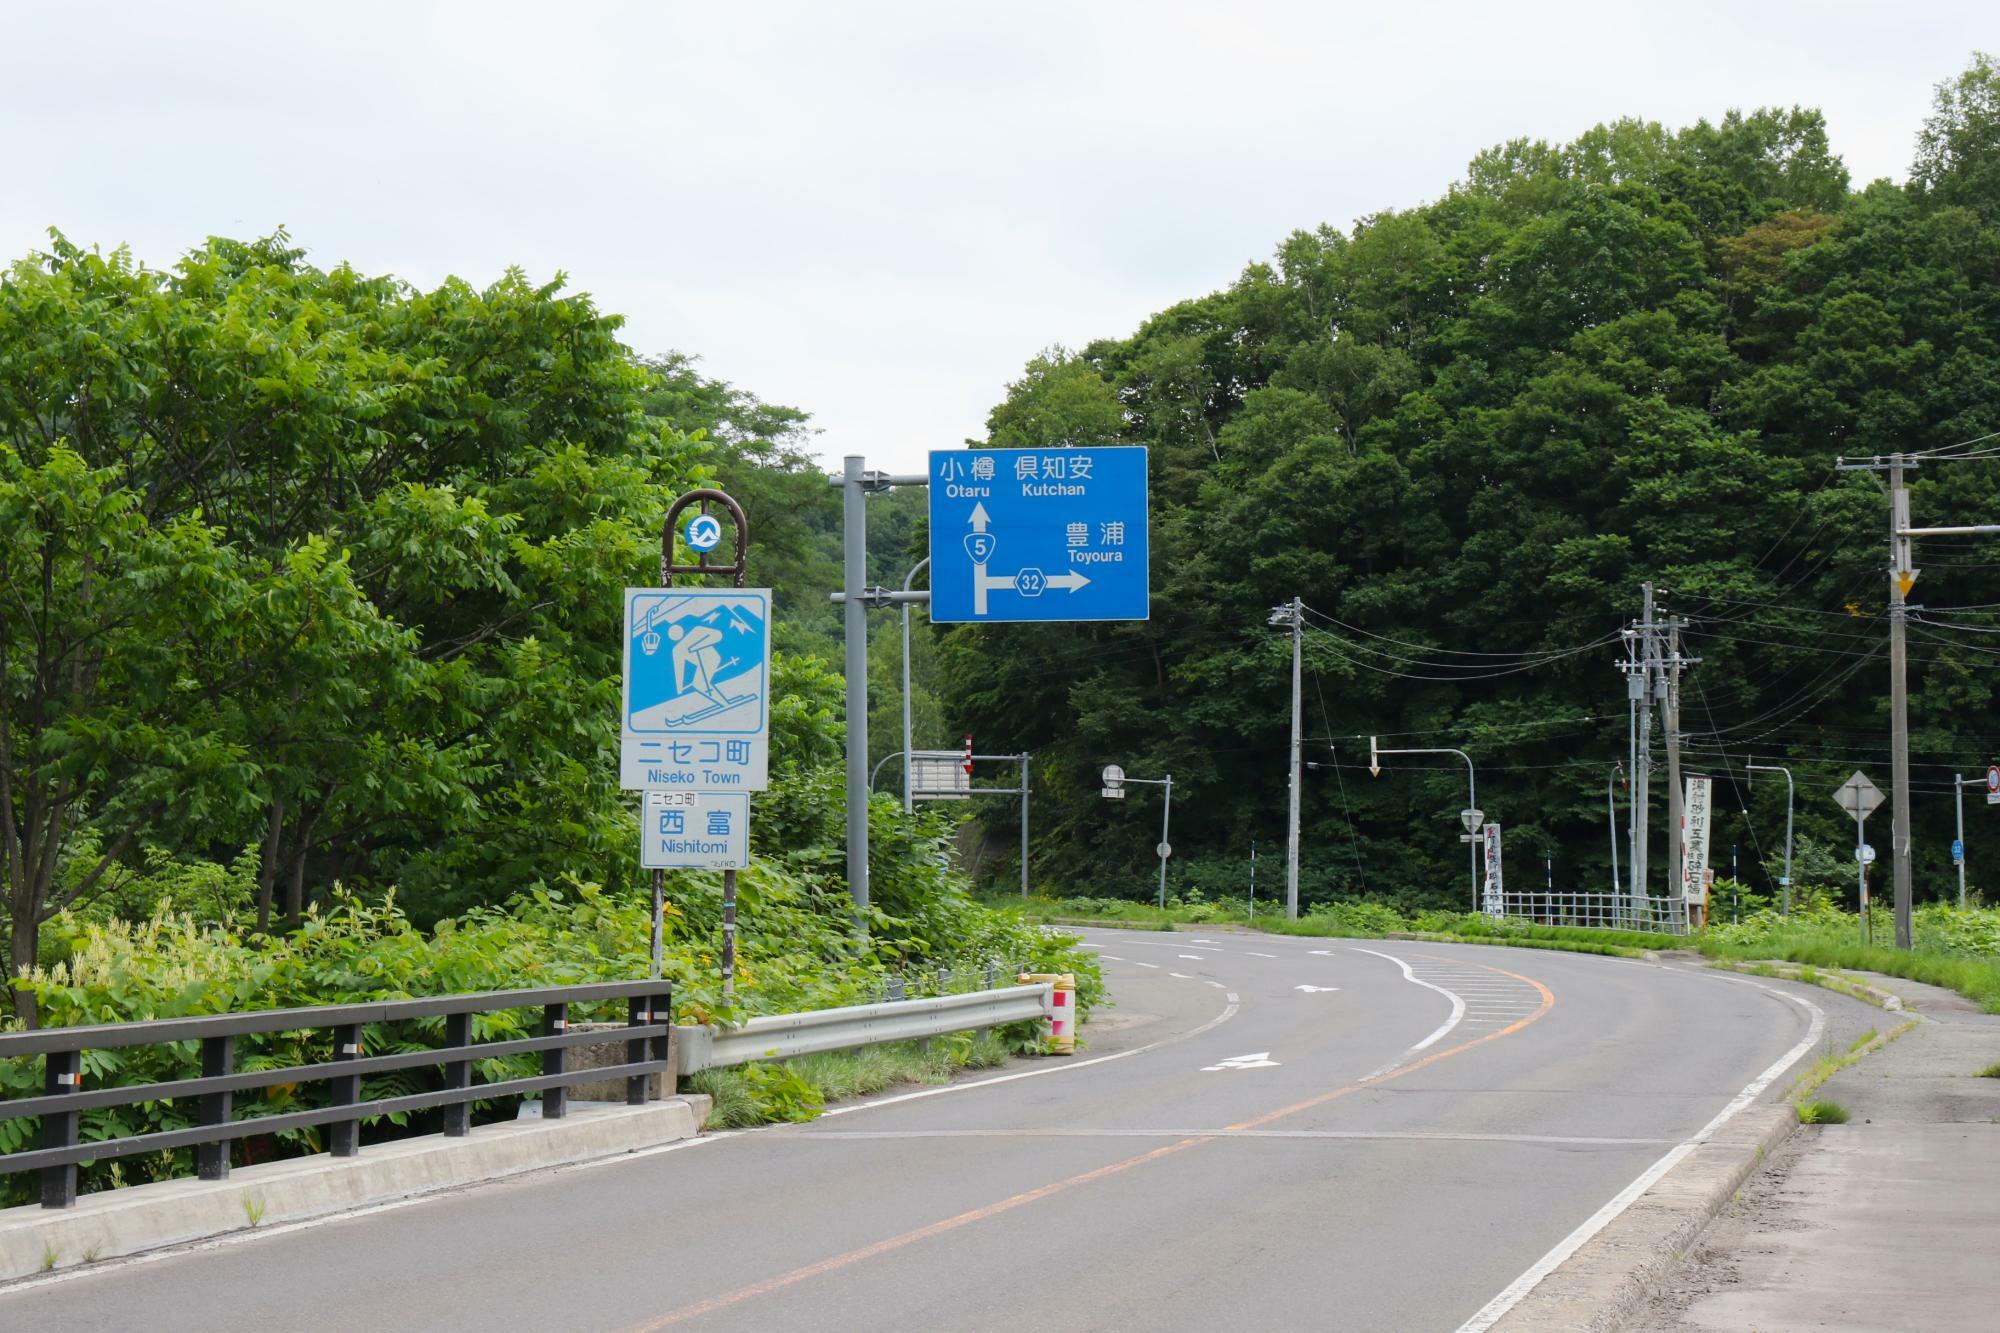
(1465,433)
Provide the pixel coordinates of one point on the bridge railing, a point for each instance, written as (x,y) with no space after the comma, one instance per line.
(648,1025)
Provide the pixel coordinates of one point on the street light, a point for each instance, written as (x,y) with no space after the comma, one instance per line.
(1471,816)
(1785,880)
(907,580)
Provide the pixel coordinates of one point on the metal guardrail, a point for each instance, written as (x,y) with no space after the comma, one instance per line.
(645,1035)
(1605,911)
(781,1036)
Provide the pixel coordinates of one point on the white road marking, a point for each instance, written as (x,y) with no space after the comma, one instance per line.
(1182,975)
(1229,1011)
(1457,1009)
(1111,958)
(1232,997)
(1216,984)
(1254,954)
(1151,965)
(1494,1309)
(1259,1060)
(1310,990)
(1324,952)
(1197,957)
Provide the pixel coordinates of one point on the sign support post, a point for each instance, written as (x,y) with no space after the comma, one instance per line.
(1859,797)
(704,535)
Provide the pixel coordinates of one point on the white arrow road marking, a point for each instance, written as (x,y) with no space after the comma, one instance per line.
(1260,1060)
(1312,990)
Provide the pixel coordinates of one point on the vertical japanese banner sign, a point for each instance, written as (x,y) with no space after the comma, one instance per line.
(1494,896)
(1694,840)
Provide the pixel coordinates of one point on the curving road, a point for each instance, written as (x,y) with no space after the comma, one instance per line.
(1271,1132)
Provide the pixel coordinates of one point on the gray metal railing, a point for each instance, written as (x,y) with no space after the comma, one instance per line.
(1603,911)
(645,1036)
(781,1036)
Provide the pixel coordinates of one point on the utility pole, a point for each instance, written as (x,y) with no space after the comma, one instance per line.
(1902,574)
(1292,829)
(1902,577)
(1644,676)
(1291,615)
(1676,816)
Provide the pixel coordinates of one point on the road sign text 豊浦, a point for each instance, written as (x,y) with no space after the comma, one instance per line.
(1039,534)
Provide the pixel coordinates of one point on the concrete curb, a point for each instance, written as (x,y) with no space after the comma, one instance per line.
(1596,1289)
(113,1223)
(1825,978)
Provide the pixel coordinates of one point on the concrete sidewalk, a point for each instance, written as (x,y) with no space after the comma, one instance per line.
(1890,1221)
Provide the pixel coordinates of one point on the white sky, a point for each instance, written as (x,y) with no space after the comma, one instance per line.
(874,212)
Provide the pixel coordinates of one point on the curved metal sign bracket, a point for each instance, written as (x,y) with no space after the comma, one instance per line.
(705,496)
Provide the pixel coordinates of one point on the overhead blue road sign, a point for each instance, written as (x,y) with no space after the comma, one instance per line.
(703,532)
(697,689)
(1039,534)
(695,830)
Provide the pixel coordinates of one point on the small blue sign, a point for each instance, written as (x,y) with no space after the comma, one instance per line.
(1957,850)
(1039,534)
(703,533)
(697,689)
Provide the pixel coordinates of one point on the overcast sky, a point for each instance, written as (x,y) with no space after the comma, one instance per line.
(873,212)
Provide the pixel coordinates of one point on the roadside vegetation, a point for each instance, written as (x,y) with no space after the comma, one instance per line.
(1954,948)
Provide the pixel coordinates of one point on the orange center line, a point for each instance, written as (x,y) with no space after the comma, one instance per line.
(965,1219)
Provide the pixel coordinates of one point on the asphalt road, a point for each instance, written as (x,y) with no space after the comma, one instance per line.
(1264,1132)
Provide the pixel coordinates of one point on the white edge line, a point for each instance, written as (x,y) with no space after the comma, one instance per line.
(1494,1310)
(1457,1008)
